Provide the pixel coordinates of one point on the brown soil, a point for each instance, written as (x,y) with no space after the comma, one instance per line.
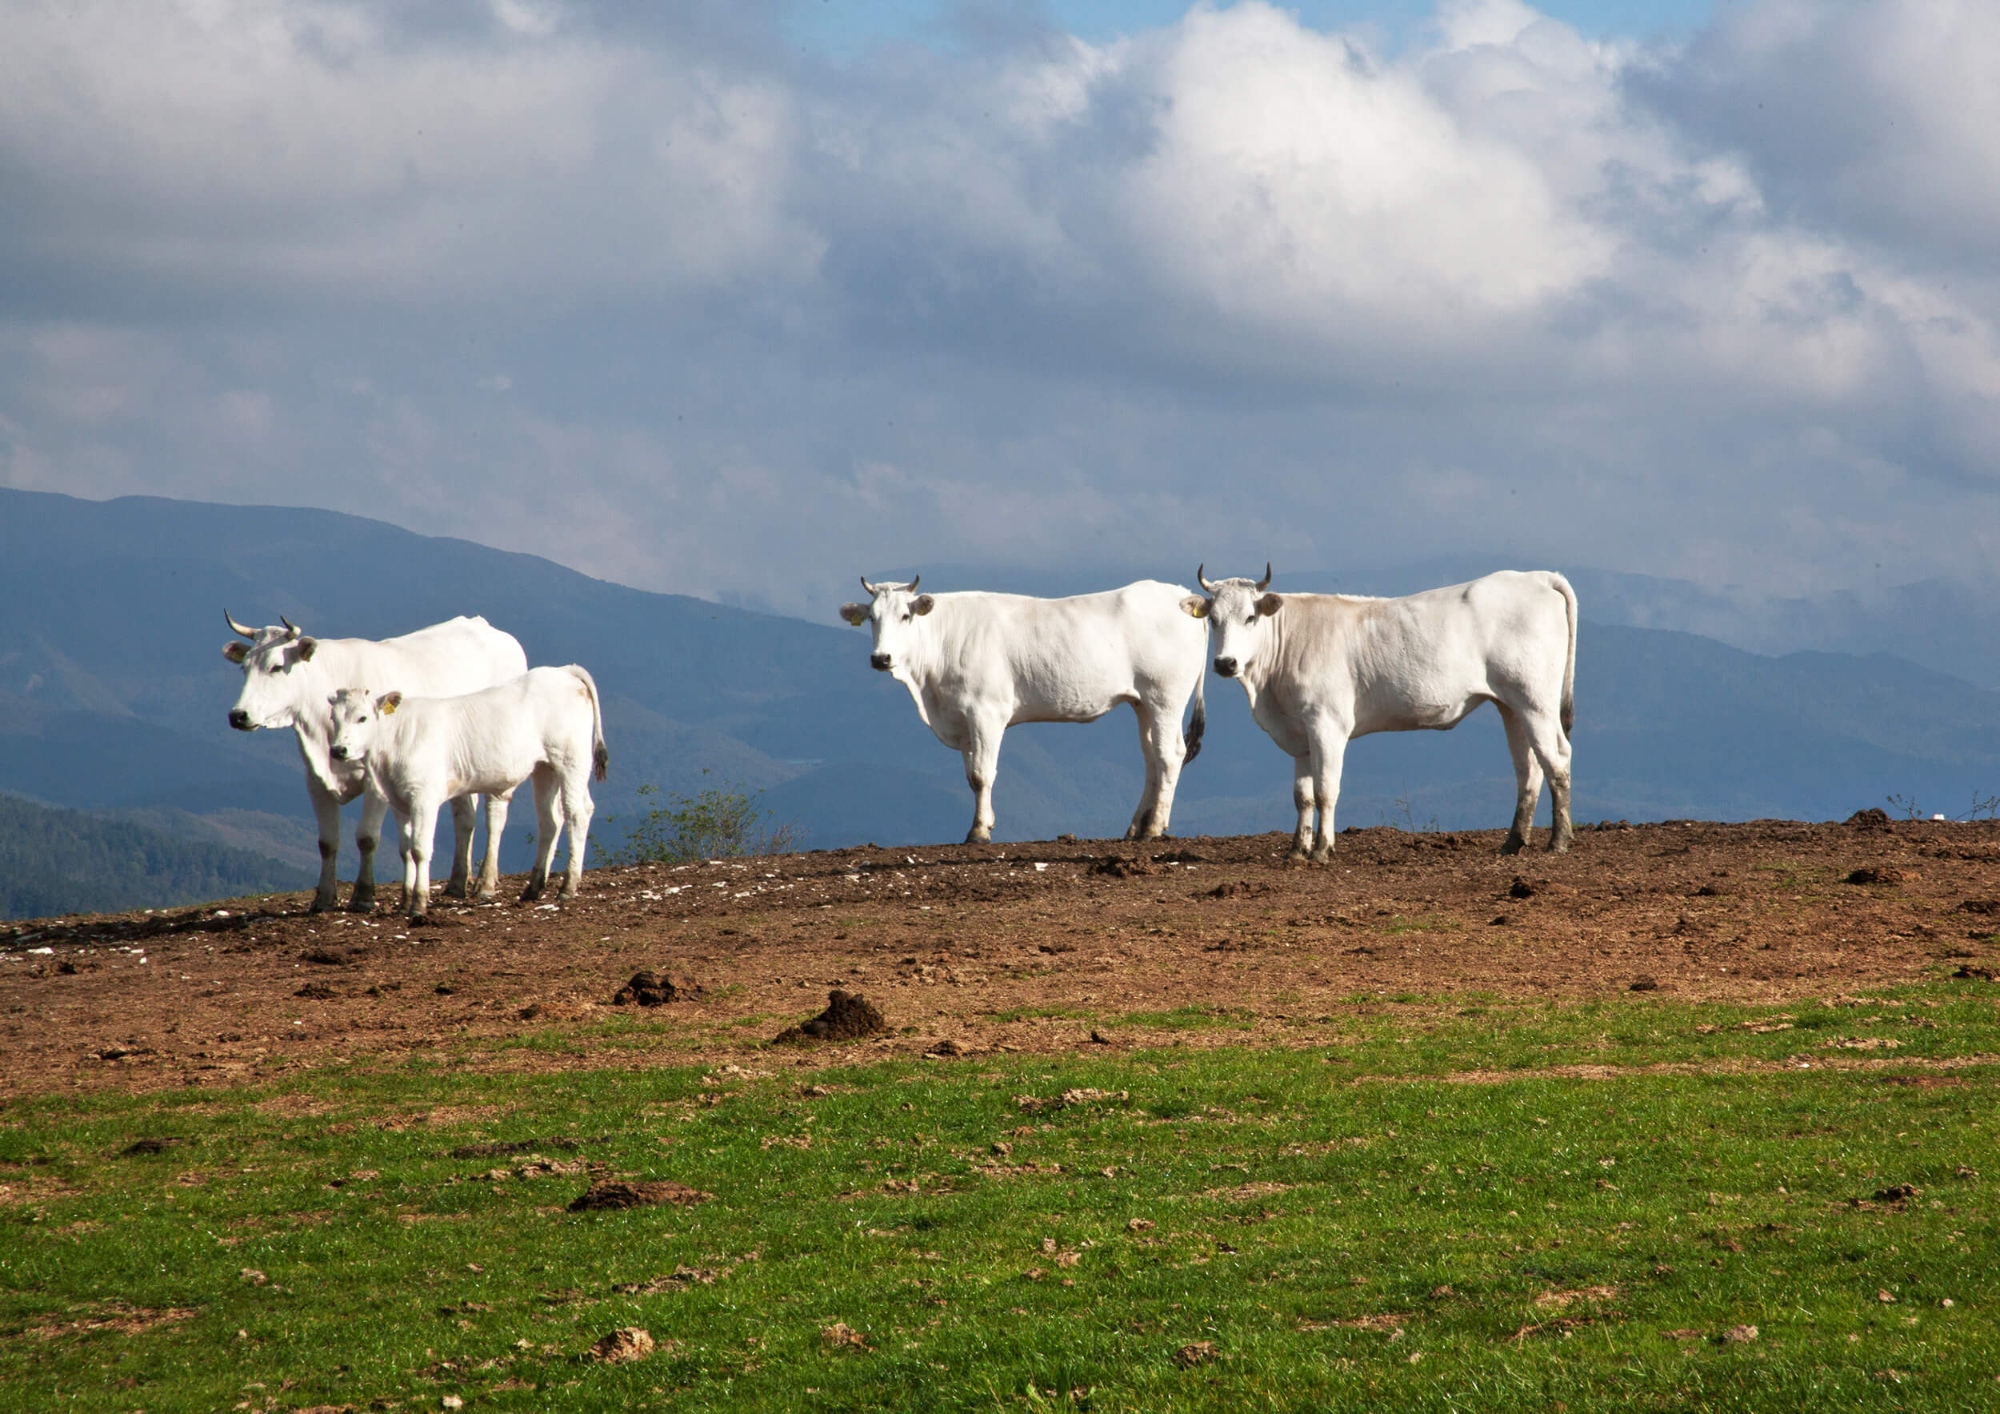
(1027,947)
(613,1194)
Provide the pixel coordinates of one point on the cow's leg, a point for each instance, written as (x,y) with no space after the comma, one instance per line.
(577,810)
(1302,798)
(982,764)
(326,810)
(367,839)
(423,835)
(1527,779)
(1551,748)
(1160,740)
(496,824)
(1329,751)
(405,841)
(464,815)
(548,825)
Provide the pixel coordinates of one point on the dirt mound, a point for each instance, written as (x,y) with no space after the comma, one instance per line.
(1873,818)
(327,957)
(150,1146)
(500,1149)
(316,991)
(1114,866)
(1876,874)
(614,1195)
(631,1343)
(648,989)
(848,1017)
(1984,907)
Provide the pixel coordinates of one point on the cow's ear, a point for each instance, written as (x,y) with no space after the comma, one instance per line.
(856,614)
(1196,606)
(1269,604)
(922,604)
(236,652)
(388,703)
(308,647)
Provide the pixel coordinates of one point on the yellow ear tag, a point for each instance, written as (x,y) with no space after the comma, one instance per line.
(389,707)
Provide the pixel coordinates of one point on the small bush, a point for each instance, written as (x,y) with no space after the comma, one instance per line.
(710,824)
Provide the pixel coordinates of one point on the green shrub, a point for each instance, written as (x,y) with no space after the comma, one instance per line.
(710,824)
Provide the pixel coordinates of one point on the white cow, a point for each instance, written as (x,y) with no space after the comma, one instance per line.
(287,679)
(1321,669)
(422,751)
(976,663)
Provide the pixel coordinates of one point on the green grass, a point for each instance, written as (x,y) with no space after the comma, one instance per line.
(1346,1225)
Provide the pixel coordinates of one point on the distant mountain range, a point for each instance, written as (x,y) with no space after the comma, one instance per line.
(113,692)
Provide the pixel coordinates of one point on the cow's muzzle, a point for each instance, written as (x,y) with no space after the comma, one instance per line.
(880,662)
(240,719)
(1225,667)
(338,753)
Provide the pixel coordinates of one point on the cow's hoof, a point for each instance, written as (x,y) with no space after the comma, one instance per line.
(1298,859)
(486,896)
(1559,845)
(455,889)
(1323,855)
(979,837)
(324,903)
(362,902)
(1514,844)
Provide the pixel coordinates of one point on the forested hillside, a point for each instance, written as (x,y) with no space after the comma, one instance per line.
(55,861)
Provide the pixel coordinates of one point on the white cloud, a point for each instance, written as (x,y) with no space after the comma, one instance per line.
(698,315)
(254,149)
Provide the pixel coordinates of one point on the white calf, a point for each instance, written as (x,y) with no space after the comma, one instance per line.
(422,751)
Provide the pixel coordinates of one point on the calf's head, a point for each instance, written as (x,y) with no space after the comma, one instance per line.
(1239,613)
(891,612)
(356,712)
(277,678)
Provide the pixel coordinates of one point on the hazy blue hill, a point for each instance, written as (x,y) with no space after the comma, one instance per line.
(56,861)
(113,693)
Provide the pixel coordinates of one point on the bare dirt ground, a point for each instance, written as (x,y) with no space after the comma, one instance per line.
(1028,947)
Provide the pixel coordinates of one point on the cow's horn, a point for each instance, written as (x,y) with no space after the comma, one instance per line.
(1201,578)
(289,624)
(249,633)
(1265,583)
(915,582)
(867,586)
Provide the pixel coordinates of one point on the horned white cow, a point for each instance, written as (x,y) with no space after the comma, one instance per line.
(288,677)
(422,751)
(1321,669)
(977,663)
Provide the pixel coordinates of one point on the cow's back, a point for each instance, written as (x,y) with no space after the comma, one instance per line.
(1081,652)
(449,659)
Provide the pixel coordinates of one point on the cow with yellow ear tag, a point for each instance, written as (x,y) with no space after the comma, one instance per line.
(419,752)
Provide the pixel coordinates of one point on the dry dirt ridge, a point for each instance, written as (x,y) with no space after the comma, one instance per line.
(1032,947)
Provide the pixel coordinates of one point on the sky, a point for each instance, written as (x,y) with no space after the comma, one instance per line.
(743,300)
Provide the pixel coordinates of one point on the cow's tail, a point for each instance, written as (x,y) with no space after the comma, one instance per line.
(600,758)
(1199,722)
(1562,587)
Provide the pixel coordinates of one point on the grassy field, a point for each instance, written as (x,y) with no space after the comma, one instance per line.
(1475,1207)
